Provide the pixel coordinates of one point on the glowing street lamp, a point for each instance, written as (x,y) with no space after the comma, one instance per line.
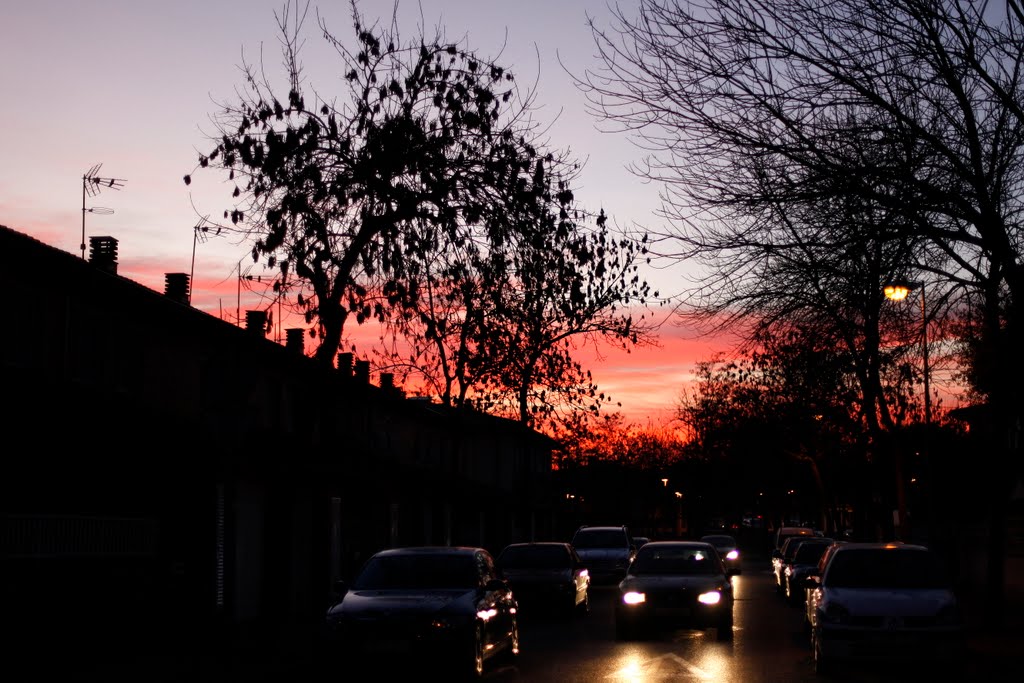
(897,291)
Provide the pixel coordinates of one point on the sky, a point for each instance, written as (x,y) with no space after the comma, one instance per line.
(132,85)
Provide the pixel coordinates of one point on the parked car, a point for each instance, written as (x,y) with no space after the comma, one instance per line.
(605,550)
(804,561)
(547,577)
(445,605)
(675,584)
(785,532)
(811,583)
(638,541)
(885,602)
(785,557)
(728,548)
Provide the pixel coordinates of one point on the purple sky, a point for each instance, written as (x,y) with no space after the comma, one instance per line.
(131,84)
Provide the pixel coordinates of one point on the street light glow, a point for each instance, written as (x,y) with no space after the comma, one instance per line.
(896,292)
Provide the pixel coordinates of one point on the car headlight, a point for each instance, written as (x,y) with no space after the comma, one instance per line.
(633,598)
(732,555)
(835,613)
(709,598)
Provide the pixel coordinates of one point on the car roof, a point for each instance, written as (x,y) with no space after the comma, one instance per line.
(677,544)
(430,550)
(893,545)
(603,527)
(525,544)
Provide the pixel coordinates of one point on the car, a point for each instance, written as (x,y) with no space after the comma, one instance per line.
(785,532)
(446,605)
(885,603)
(796,569)
(605,550)
(675,584)
(546,577)
(785,555)
(639,541)
(727,547)
(811,582)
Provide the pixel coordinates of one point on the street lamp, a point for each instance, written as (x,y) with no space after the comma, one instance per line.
(897,291)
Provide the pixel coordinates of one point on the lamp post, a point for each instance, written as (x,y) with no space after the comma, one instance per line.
(897,291)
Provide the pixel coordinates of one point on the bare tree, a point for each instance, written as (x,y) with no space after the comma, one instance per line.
(347,195)
(908,110)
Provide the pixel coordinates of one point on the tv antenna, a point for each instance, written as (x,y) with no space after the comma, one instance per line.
(92,185)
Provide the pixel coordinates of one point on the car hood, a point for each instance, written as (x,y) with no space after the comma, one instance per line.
(892,601)
(388,603)
(602,553)
(655,582)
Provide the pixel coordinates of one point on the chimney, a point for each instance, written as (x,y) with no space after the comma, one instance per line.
(256,322)
(363,371)
(295,340)
(176,287)
(345,364)
(103,253)
(387,381)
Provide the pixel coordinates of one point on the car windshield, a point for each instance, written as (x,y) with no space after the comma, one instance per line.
(599,538)
(534,557)
(885,568)
(720,541)
(809,553)
(417,572)
(675,561)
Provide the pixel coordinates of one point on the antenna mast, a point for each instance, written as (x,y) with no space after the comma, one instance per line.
(92,185)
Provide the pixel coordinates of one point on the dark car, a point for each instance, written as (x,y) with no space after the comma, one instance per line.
(605,550)
(787,555)
(675,584)
(445,605)
(728,548)
(546,577)
(885,604)
(796,570)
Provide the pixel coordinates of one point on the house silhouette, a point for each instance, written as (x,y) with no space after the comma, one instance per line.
(171,480)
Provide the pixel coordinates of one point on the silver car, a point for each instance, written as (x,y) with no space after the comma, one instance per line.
(883,602)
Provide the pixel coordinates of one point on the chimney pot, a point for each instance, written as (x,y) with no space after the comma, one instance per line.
(363,371)
(176,287)
(345,364)
(295,339)
(103,253)
(256,322)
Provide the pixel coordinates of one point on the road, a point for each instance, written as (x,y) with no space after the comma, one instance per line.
(769,646)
